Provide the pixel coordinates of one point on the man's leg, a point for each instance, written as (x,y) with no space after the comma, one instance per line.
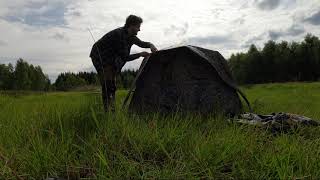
(110,82)
(101,74)
(111,94)
(104,92)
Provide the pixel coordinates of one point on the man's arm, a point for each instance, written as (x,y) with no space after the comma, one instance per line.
(137,55)
(132,57)
(123,52)
(143,44)
(118,44)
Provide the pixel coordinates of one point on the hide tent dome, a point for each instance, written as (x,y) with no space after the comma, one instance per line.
(185,79)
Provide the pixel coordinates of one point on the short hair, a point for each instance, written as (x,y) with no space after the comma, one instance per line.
(133,20)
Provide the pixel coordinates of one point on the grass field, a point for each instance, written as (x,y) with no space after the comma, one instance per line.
(67,135)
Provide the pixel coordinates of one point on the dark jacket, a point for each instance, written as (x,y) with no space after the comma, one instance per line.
(114,48)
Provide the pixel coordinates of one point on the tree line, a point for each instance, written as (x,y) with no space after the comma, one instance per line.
(23,76)
(69,80)
(278,62)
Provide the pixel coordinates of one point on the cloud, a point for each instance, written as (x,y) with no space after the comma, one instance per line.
(90,68)
(60,36)
(3,43)
(39,13)
(314,19)
(239,21)
(224,39)
(76,13)
(294,30)
(253,40)
(226,26)
(177,30)
(267,4)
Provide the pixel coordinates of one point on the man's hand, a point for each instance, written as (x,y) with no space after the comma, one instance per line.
(144,54)
(153,48)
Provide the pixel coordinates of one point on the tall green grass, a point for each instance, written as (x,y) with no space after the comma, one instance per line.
(68,135)
(299,98)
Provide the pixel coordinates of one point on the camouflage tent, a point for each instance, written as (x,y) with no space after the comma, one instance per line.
(185,79)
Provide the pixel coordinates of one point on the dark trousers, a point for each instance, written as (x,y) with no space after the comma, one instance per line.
(107,76)
(108,87)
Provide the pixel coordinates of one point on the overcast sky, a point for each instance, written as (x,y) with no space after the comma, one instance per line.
(54,34)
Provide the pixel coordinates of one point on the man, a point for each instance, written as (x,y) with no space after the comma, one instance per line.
(112,51)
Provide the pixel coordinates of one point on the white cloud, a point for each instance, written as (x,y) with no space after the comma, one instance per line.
(61,42)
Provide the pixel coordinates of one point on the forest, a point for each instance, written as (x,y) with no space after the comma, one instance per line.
(278,62)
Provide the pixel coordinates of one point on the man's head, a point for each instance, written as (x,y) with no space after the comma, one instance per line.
(133,24)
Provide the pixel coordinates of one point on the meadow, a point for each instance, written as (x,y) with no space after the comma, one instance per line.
(67,135)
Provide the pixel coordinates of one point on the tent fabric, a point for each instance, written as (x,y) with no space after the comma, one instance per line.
(187,79)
